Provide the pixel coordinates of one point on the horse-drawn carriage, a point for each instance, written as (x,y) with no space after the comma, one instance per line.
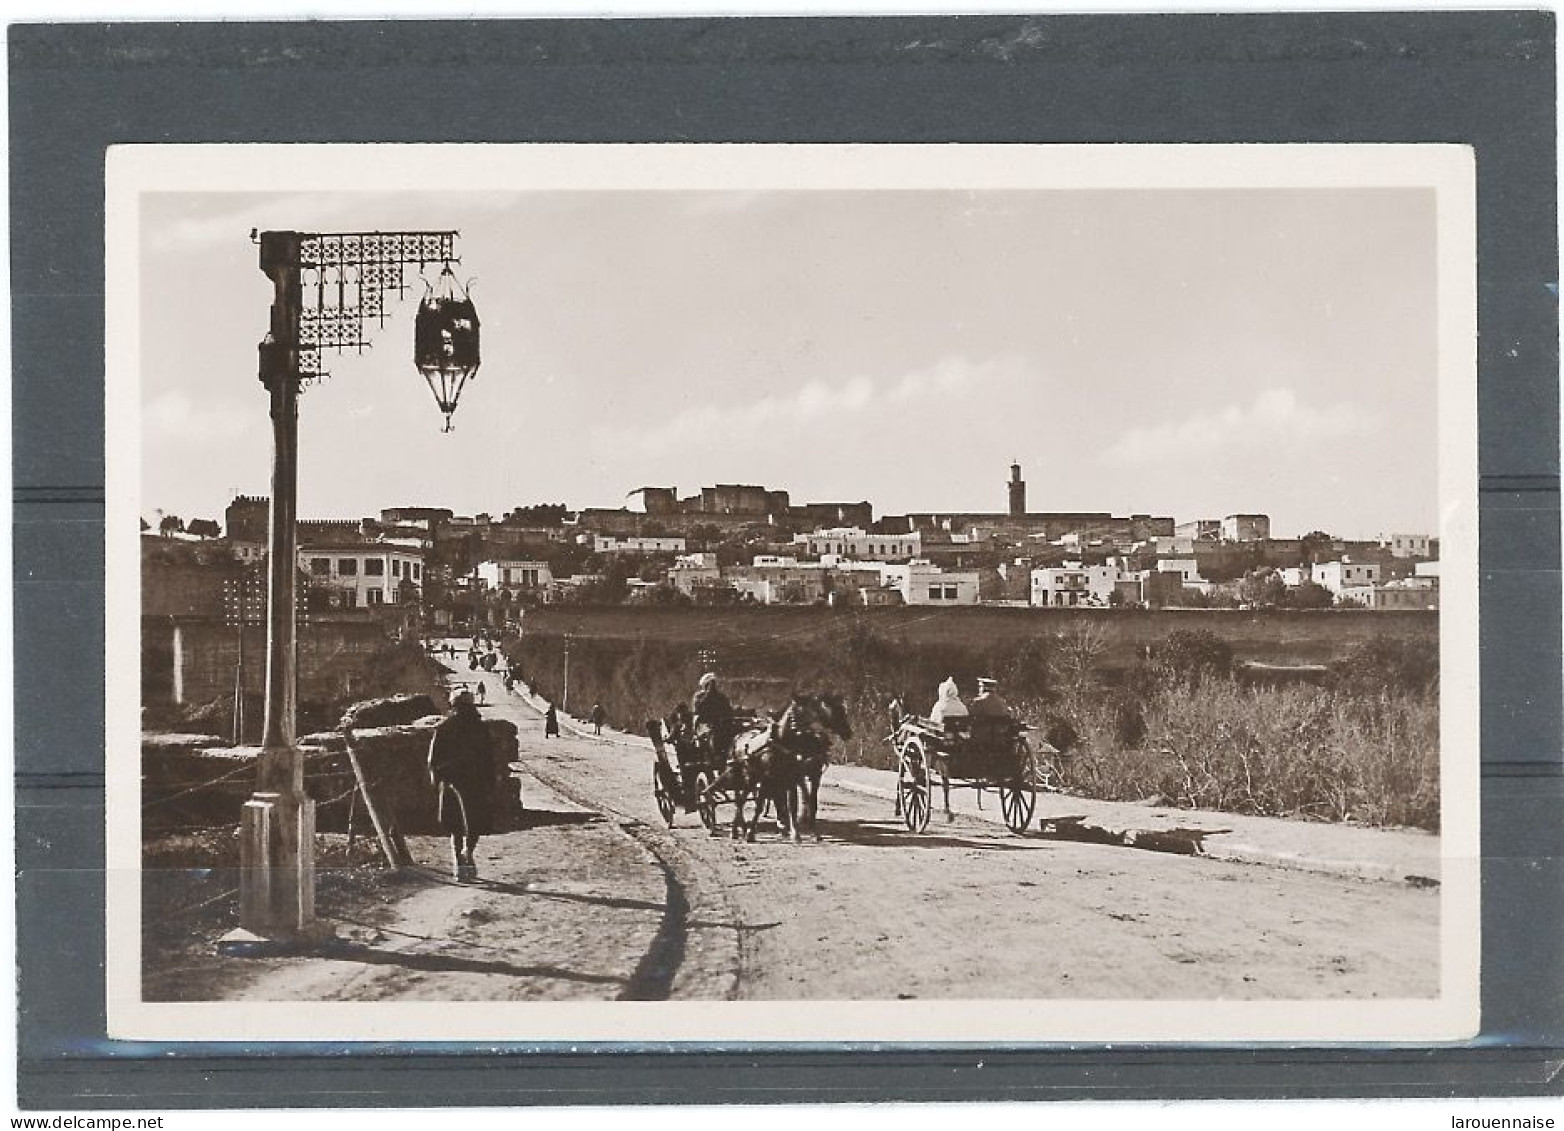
(976,752)
(686,769)
(776,761)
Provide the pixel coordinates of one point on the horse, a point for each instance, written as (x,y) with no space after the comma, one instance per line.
(781,763)
(812,740)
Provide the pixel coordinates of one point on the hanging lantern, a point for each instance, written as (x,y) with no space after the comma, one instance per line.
(445,341)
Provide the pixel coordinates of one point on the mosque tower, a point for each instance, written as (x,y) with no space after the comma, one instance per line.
(1017,488)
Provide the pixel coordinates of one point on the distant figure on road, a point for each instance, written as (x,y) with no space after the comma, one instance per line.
(462,770)
(597,717)
(551,722)
(949,704)
(483,692)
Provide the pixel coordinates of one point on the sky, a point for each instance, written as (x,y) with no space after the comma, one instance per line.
(1191,353)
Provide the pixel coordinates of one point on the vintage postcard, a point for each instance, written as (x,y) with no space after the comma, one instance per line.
(936,594)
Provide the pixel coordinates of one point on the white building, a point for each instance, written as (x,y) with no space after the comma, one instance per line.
(1426,569)
(923,583)
(365,574)
(1060,587)
(1246,528)
(691,571)
(1188,570)
(779,581)
(1074,584)
(856,543)
(515,576)
(610,544)
(1406,545)
(1342,576)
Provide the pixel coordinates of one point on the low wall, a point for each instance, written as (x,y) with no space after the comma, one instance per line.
(188,784)
(193,659)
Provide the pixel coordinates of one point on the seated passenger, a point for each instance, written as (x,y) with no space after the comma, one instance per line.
(713,715)
(989,704)
(949,705)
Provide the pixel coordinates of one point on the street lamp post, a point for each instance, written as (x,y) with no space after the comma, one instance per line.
(327,286)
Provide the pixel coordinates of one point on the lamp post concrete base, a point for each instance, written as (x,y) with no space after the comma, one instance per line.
(277,877)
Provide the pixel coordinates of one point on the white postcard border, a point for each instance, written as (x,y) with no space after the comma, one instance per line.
(1446,169)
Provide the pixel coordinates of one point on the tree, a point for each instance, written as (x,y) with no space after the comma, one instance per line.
(1310,596)
(1078,654)
(543,514)
(1262,589)
(145,526)
(203,528)
(170,524)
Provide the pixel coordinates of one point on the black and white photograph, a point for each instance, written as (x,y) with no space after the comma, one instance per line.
(792,593)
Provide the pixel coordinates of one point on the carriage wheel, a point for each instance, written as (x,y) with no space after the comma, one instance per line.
(912,785)
(665,804)
(705,806)
(1018,797)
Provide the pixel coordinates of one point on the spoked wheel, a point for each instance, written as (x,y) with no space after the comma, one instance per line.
(705,806)
(665,803)
(1018,797)
(912,784)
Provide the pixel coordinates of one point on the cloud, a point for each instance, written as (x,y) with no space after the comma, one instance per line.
(174,417)
(816,404)
(1276,419)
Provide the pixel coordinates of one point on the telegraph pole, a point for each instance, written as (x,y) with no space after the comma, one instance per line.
(565,698)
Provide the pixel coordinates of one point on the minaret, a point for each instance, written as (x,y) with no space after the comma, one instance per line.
(1017,488)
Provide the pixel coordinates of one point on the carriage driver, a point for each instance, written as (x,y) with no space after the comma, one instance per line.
(989,703)
(713,715)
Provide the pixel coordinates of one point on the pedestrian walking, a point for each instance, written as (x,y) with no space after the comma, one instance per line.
(597,717)
(461,767)
(483,692)
(551,722)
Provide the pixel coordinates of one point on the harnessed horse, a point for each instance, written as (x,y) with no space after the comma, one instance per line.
(782,762)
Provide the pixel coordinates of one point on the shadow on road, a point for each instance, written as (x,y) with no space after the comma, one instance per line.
(553,818)
(455,964)
(616,902)
(890,834)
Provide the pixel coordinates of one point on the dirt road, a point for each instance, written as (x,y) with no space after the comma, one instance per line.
(599,900)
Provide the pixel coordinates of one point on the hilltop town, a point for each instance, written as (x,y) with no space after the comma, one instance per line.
(737,544)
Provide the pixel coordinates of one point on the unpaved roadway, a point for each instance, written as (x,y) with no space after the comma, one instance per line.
(598,900)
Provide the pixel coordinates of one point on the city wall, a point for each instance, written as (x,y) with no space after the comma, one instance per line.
(192,659)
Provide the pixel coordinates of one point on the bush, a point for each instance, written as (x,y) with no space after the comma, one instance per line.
(1378,667)
(1190,656)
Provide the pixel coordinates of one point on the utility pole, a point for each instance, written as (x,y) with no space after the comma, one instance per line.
(565,698)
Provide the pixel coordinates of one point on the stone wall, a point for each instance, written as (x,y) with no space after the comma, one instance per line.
(193,659)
